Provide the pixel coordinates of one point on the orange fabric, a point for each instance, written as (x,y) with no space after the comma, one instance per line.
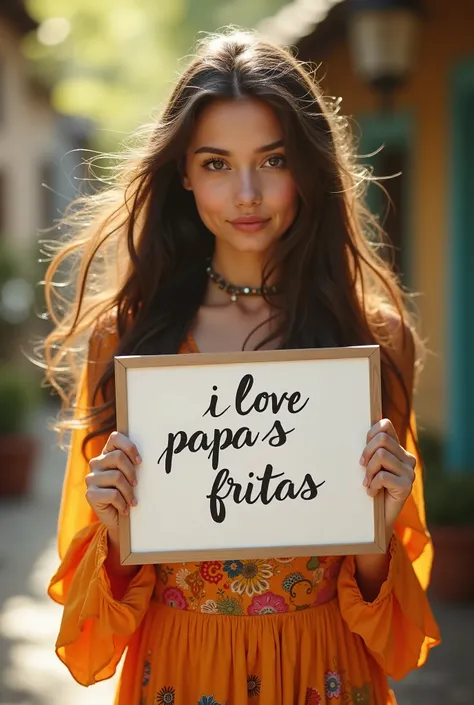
(274,632)
(249,587)
(398,627)
(96,628)
(75,512)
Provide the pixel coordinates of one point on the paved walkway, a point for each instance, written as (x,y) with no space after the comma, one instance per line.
(30,673)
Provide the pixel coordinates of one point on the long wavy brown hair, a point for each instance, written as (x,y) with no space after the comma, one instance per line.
(135,252)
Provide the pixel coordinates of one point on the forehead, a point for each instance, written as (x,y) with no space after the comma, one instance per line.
(246,122)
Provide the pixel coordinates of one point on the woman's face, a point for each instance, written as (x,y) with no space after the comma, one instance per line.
(236,168)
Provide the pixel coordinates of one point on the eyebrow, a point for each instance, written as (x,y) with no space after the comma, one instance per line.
(226,153)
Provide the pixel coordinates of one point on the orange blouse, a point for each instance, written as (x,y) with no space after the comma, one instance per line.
(271,632)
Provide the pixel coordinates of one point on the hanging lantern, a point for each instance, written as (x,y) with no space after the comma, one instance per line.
(383,36)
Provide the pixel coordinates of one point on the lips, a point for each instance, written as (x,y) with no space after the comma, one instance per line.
(248,220)
(249,224)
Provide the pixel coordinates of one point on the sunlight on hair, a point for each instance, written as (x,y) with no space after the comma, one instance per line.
(137,233)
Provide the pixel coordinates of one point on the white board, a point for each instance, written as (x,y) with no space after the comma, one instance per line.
(269,468)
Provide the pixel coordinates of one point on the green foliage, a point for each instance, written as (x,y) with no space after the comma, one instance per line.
(449,497)
(432,454)
(450,500)
(19,393)
(114,61)
(8,266)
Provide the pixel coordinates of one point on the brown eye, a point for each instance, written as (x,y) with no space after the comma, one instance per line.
(214,165)
(276,161)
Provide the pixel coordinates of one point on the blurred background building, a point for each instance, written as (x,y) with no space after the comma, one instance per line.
(36,142)
(77,78)
(405,72)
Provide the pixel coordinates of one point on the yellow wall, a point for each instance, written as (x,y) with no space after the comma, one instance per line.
(446,35)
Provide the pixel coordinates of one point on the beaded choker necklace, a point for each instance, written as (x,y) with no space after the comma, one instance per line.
(236,291)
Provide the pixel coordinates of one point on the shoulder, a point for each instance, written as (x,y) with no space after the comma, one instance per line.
(103,338)
(101,347)
(398,342)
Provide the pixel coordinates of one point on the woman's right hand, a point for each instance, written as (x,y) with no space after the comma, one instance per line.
(111,480)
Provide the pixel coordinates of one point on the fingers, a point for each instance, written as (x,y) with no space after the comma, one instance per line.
(101,499)
(383,461)
(382,426)
(382,441)
(397,485)
(387,463)
(114,479)
(116,459)
(118,441)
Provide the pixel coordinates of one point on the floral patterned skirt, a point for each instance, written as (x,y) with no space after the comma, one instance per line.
(306,657)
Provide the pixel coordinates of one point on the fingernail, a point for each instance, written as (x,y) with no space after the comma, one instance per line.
(135,482)
(366,482)
(134,502)
(125,511)
(369,491)
(138,459)
(362,461)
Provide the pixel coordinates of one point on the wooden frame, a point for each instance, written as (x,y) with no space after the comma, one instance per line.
(125,364)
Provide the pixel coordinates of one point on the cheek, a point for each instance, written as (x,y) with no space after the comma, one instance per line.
(209,197)
(283,195)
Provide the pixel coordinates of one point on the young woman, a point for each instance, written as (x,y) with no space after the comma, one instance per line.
(240,225)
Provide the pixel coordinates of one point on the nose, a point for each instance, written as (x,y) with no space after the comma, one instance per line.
(248,190)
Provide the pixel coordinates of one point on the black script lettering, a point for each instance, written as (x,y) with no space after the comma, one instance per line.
(282,486)
(247,496)
(217,506)
(265,480)
(281,435)
(245,385)
(217,444)
(265,399)
(170,449)
(294,399)
(261,402)
(212,408)
(198,441)
(242,437)
(311,491)
(225,486)
(247,438)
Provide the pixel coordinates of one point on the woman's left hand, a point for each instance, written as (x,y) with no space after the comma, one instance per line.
(388,466)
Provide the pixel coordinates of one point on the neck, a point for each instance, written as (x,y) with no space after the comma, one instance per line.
(240,268)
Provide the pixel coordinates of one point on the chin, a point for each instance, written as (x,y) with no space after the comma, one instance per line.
(253,243)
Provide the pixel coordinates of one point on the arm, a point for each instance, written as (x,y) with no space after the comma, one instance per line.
(104,602)
(372,570)
(119,575)
(96,625)
(382,598)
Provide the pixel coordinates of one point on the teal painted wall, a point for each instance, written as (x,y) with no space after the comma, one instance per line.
(392,130)
(460,309)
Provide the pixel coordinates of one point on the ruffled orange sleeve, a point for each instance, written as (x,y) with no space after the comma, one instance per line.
(398,627)
(95,627)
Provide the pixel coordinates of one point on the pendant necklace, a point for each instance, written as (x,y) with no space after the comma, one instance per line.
(236,291)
